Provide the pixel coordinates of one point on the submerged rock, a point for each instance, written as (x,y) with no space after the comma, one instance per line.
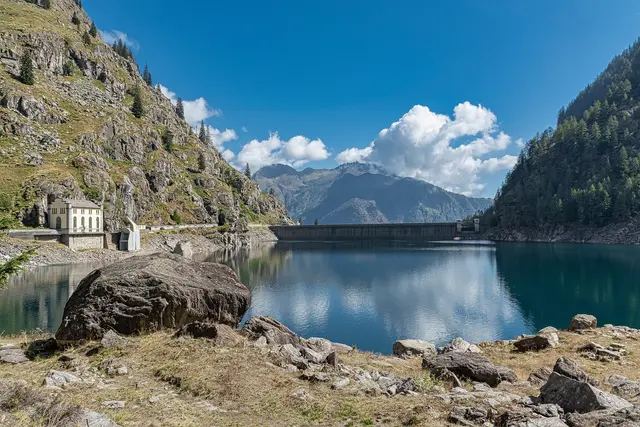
(149,293)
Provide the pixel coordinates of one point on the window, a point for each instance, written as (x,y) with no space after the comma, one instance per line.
(58,223)
(61,210)
(75,211)
(75,222)
(82,211)
(53,210)
(98,223)
(90,223)
(81,222)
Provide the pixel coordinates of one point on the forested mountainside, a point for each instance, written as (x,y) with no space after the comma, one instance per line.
(78,120)
(358,193)
(587,171)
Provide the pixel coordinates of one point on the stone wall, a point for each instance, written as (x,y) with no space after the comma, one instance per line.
(87,241)
(421,232)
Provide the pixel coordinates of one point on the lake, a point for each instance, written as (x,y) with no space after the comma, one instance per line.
(369,295)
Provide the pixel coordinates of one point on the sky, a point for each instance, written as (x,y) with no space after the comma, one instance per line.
(442,91)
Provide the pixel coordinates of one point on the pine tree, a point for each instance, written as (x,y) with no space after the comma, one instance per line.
(247,171)
(315,222)
(74,19)
(68,68)
(138,108)
(14,266)
(300,221)
(146,76)
(93,30)
(86,38)
(272,192)
(27,75)
(202,136)
(207,136)
(167,140)
(180,109)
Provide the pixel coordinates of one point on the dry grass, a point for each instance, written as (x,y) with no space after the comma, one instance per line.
(201,384)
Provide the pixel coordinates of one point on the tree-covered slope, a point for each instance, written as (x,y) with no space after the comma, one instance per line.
(82,122)
(587,170)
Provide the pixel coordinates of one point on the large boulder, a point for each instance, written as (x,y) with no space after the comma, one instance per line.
(578,396)
(148,293)
(473,366)
(268,327)
(583,321)
(408,348)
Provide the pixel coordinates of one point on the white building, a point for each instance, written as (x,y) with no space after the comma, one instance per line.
(81,223)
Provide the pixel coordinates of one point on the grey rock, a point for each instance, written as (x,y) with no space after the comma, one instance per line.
(468,416)
(42,348)
(547,330)
(569,368)
(409,348)
(577,396)
(526,418)
(184,249)
(114,404)
(458,345)
(60,379)
(148,293)
(292,356)
(540,376)
(548,410)
(583,321)
(332,359)
(96,419)
(313,356)
(268,327)
(627,389)
(221,334)
(537,342)
(340,383)
(301,394)
(610,353)
(314,377)
(112,340)
(473,366)
(628,417)
(406,386)
(12,355)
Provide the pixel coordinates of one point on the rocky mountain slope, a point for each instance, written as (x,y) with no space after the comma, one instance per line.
(72,133)
(363,193)
(583,176)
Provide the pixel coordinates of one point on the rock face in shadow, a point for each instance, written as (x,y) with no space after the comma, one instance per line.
(149,293)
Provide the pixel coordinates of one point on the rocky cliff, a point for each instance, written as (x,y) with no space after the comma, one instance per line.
(357,193)
(72,134)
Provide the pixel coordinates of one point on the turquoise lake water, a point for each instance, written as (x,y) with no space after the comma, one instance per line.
(369,295)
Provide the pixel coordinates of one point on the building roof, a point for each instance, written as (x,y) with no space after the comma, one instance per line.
(81,204)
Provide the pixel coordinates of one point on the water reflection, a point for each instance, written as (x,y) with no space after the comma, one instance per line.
(372,294)
(36,299)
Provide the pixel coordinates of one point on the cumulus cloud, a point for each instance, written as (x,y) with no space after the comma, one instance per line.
(115,35)
(194,111)
(295,152)
(218,137)
(448,152)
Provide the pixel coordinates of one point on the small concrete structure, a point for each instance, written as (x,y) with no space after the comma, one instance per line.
(130,237)
(406,231)
(80,223)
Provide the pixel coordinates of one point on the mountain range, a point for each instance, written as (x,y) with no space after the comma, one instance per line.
(362,193)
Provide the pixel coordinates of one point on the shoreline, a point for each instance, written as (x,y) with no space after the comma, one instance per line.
(203,241)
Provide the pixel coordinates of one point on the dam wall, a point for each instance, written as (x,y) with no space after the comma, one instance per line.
(416,232)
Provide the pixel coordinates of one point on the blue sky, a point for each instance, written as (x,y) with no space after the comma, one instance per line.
(336,73)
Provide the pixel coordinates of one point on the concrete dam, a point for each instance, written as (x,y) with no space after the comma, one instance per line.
(359,232)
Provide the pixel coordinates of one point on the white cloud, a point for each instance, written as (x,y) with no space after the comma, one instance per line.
(296,152)
(520,142)
(228,155)
(421,145)
(353,155)
(218,137)
(194,111)
(244,129)
(115,35)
